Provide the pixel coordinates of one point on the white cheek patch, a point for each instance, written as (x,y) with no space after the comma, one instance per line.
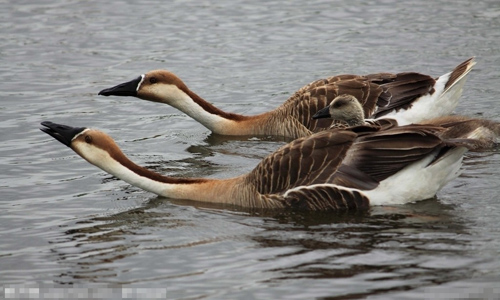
(140,82)
(80,134)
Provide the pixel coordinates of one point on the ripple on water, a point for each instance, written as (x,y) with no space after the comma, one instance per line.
(65,223)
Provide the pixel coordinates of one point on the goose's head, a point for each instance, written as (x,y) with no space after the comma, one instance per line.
(344,108)
(157,86)
(164,87)
(93,145)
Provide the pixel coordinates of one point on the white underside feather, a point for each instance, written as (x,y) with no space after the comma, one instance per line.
(427,107)
(418,181)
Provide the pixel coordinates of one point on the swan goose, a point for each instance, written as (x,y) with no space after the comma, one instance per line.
(330,170)
(408,97)
(346,111)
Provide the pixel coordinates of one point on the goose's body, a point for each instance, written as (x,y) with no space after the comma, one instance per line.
(333,169)
(407,97)
(345,111)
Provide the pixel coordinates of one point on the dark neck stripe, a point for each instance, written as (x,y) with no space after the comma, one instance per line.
(214,110)
(141,171)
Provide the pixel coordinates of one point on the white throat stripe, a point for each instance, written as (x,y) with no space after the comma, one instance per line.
(140,82)
(79,134)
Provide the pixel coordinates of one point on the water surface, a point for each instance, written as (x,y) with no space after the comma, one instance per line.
(66,224)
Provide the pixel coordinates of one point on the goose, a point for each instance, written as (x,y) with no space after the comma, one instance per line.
(330,170)
(408,97)
(346,111)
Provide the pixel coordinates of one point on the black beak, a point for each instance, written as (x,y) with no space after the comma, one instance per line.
(128,88)
(62,133)
(322,113)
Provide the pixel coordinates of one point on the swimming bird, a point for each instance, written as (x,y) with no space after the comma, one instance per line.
(329,170)
(408,97)
(346,111)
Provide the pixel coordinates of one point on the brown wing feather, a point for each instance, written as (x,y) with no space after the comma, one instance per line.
(351,177)
(485,133)
(323,82)
(459,71)
(329,170)
(384,153)
(378,93)
(364,90)
(304,161)
(325,197)
(401,91)
(308,100)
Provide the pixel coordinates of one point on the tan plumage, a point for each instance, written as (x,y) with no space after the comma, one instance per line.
(333,169)
(380,94)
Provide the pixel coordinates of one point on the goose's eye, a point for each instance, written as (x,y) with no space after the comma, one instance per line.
(88,139)
(337,104)
(153,80)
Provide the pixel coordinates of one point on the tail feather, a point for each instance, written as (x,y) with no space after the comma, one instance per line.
(440,100)
(459,73)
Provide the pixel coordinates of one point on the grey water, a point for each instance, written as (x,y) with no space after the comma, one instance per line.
(65,224)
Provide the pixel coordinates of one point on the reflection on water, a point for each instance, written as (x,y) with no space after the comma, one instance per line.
(101,241)
(246,146)
(407,246)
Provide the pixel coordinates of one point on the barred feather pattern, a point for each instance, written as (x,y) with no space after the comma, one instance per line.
(319,94)
(331,169)
(388,151)
(321,197)
(304,161)
(482,134)
(378,94)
